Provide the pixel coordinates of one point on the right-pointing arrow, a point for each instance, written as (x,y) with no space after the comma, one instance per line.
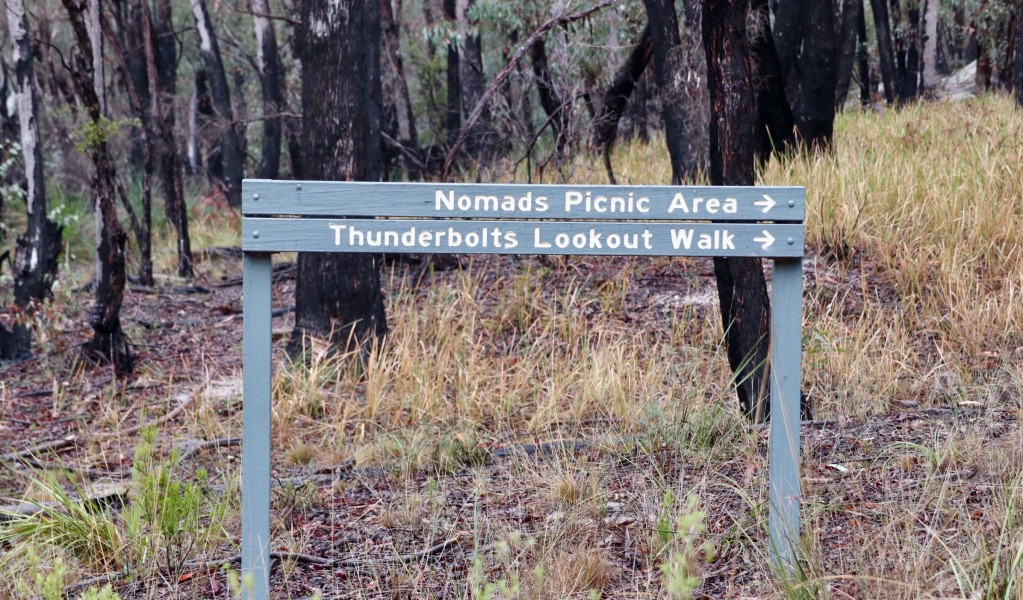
(766,240)
(768,203)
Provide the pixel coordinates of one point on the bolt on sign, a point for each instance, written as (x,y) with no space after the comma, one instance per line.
(425,218)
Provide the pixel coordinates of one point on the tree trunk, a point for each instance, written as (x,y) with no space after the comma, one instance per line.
(338,295)
(907,56)
(815,73)
(35,259)
(851,15)
(161,62)
(453,120)
(616,97)
(220,93)
(930,60)
(480,143)
(555,107)
(682,102)
(886,54)
(109,343)
(984,68)
(775,129)
(1017,71)
(408,134)
(132,27)
(742,290)
(272,86)
(862,58)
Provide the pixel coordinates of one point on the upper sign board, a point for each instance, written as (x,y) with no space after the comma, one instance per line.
(524,201)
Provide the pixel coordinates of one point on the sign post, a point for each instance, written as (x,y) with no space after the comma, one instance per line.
(425,218)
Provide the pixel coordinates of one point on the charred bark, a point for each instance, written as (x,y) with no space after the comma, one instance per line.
(851,14)
(272,88)
(480,143)
(555,107)
(161,63)
(133,26)
(35,258)
(907,56)
(742,289)
(408,134)
(616,98)
(1017,70)
(683,105)
(814,76)
(886,54)
(862,59)
(108,343)
(775,129)
(229,141)
(338,296)
(453,120)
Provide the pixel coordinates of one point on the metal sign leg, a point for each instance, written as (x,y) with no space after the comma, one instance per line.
(786,368)
(256,375)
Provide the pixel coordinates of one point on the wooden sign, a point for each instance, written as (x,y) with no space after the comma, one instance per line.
(423,218)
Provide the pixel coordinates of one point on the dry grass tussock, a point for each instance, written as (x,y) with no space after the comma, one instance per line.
(570,422)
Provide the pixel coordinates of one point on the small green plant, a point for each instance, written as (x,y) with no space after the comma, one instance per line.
(680,575)
(165,514)
(164,523)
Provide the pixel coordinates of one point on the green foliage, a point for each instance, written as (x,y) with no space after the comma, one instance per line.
(167,521)
(83,530)
(94,134)
(681,578)
(165,513)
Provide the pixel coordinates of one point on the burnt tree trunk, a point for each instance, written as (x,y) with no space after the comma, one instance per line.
(907,56)
(616,98)
(480,143)
(775,129)
(815,74)
(863,59)
(453,120)
(161,63)
(272,88)
(681,103)
(408,134)
(338,295)
(554,106)
(885,52)
(128,47)
(1017,70)
(742,289)
(220,94)
(35,259)
(108,343)
(851,15)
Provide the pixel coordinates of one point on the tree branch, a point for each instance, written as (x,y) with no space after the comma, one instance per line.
(495,85)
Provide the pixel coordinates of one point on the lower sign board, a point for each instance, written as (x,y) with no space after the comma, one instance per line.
(523,237)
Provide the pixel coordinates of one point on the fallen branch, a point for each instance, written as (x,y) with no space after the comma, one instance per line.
(88,583)
(160,421)
(190,449)
(48,446)
(495,85)
(330,562)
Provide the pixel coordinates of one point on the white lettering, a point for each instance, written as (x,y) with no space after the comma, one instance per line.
(337,232)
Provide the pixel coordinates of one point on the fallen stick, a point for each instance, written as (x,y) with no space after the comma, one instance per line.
(330,562)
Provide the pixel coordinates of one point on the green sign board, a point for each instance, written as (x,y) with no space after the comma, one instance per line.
(423,218)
